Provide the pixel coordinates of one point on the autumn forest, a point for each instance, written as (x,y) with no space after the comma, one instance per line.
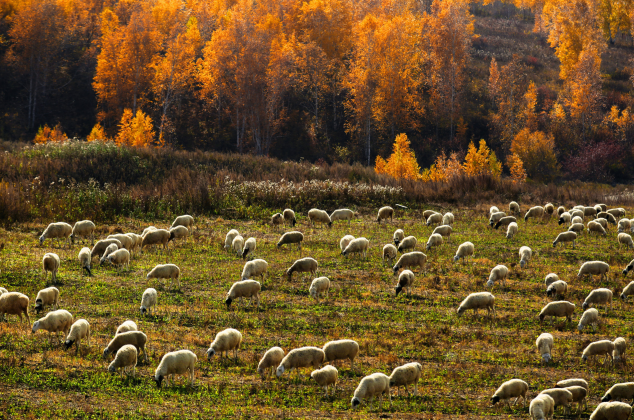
(538,89)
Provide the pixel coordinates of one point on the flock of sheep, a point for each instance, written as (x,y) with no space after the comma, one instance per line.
(129,342)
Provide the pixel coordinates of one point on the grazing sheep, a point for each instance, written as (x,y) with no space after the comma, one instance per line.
(289,217)
(443,231)
(299,358)
(341,350)
(409,373)
(465,250)
(603,207)
(410,260)
(564,237)
(175,363)
(229,239)
(628,268)
(621,391)
(303,265)
(342,214)
(499,273)
(589,212)
(224,342)
(541,407)
(447,219)
(434,219)
(125,358)
(398,236)
(185,220)
(624,225)
(156,237)
(565,218)
(576,228)
(603,347)
(269,361)
(544,346)
(515,388)
(3,290)
(50,263)
(291,238)
(255,268)
(576,219)
(244,289)
(148,230)
(136,338)
(557,288)
(84,260)
(389,253)
(46,297)
(434,240)
(407,244)
(85,229)
(385,213)
(101,246)
(617,213)
(126,326)
(589,317)
(318,286)
(149,302)
(109,250)
(594,268)
(371,386)
(514,208)
(511,230)
(126,241)
(566,383)
(358,246)
(549,209)
(560,210)
(80,329)
(579,395)
(598,297)
(405,280)
(525,256)
(178,232)
(14,303)
(249,247)
(493,209)
(558,309)
(561,396)
(428,213)
(343,242)
(596,227)
(496,217)
(319,216)
(607,216)
(620,345)
(477,301)
(166,271)
(625,239)
(54,322)
(56,231)
(551,278)
(505,221)
(326,376)
(277,219)
(576,212)
(237,245)
(535,212)
(120,258)
(603,223)
(612,411)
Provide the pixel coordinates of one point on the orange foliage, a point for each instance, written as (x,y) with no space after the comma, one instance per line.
(402,162)
(97,133)
(516,167)
(536,150)
(46,134)
(135,130)
(481,161)
(444,169)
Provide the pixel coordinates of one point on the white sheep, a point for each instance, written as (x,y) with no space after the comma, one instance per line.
(551,278)
(125,358)
(628,268)
(405,281)
(371,386)
(249,247)
(561,309)
(319,216)
(541,407)
(410,260)
(495,217)
(603,222)
(224,342)
(572,382)
(56,231)
(254,268)
(434,219)
(244,289)
(511,231)
(136,338)
(341,350)
(561,396)
(291,238)
(536,212)
(549,209)
(407,244)
(343,242)
(499,273)
(120,258)
(185,220)
(505,221)
(576,228)
(84,228)
(620,212)
(598,297)
(398,236)
(237,245)
(465,250)
(576,219)
(109,250)
(602,347)
(620,345)
(54,322)
(46,297)
(78,331)
(269,361)
(525,256)
(149,301)
(624,225)
(342,214)
(596,227)
(564,237)
(620,391)
(428,213)
(385,213)
(625,239)
(557,288)
(229,238)
(560,210)
(127,241)
(358,246)
(299,358)
(157,237)
(326,376)
(589,212)
(409,373)
(102,245)
(493,209)
(607,216)
(14,303)
(579,395)
(514,207)
(544,346)
(447,219)
(594,268)
(148,230)
(444,231)
(50,264)
(576,212)
(178,232)
(303,265)
(389,253)
(565,218)
(477,301)
(277,219)
(612,411)
(126,326)
(85,260)
(318,286)
(434,240)
(175,363)
(515,388)
(166,271)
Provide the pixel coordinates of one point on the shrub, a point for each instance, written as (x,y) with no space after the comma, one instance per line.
(537,152)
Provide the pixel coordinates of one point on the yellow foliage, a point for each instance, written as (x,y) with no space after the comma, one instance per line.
(516,166)
(135,131)
(402,162)
(536,150)
(46,134)
(481,161)
(443,169)
(97,133)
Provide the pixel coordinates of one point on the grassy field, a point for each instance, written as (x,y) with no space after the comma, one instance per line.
(464,359)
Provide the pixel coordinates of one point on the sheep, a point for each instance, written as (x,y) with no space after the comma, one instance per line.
(299,358)
(244,289)
(166,271)
(148,230)
(557,288)
(549,209)
(398,236)
(318,286)
(54,322)
(628,268)
(224,342)
(564,237)
(537,211)
(593,226)
(269,361)
(14,303)
(434,219)
(602,222)
(80,329)
(499,273)
(249,247)
(447,219)
(577,228)
(560,210)
(566,383)
(84,260)
(476,301)
(359,246)
(126,326)
(564,218)
(505,221)
(385,213)
(136,338)
(371,386)
(253,268)
(137,241)
(620,345)
(303,265)
(464,251)
(85,228)
(46,297)
(237,245)
(185,220)
(607,216)
(560,308)
(407,244)
(109,250)
(541,407)
(621,391)
(620,212)
(605,347)
(119,258)
(341,350)
(343,242)
(289,217)
(50,263)
(127,242)
(342,214)
(178,232)
(291,238)
(579,395)
(511,230)
(598,297)
(443,231)
(175,363)
(496,217)
(625,239)
(589,317)
(515,388)
(593,268)
(405,280)
(434,240)
(428,213)
(326,376)
(125,358)
(561,396)
(493,209)
(229,238)
(577,212)
(577,219)
(525,256)
(612,411)
(3,290)
(409,373)
(410,260)
(590,212)
(56,231)
(102,245)
(603,207)
(149,301)
(544,346)
(156,237)
(277,219)
(624,225)
(514,208)
(319,216)
(389,253)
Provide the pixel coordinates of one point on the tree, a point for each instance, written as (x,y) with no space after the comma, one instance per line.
(443,169)
(135,129)
(536,150)
(481,161)
(46,134)
(516,167)
(97,133)
(402,162)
